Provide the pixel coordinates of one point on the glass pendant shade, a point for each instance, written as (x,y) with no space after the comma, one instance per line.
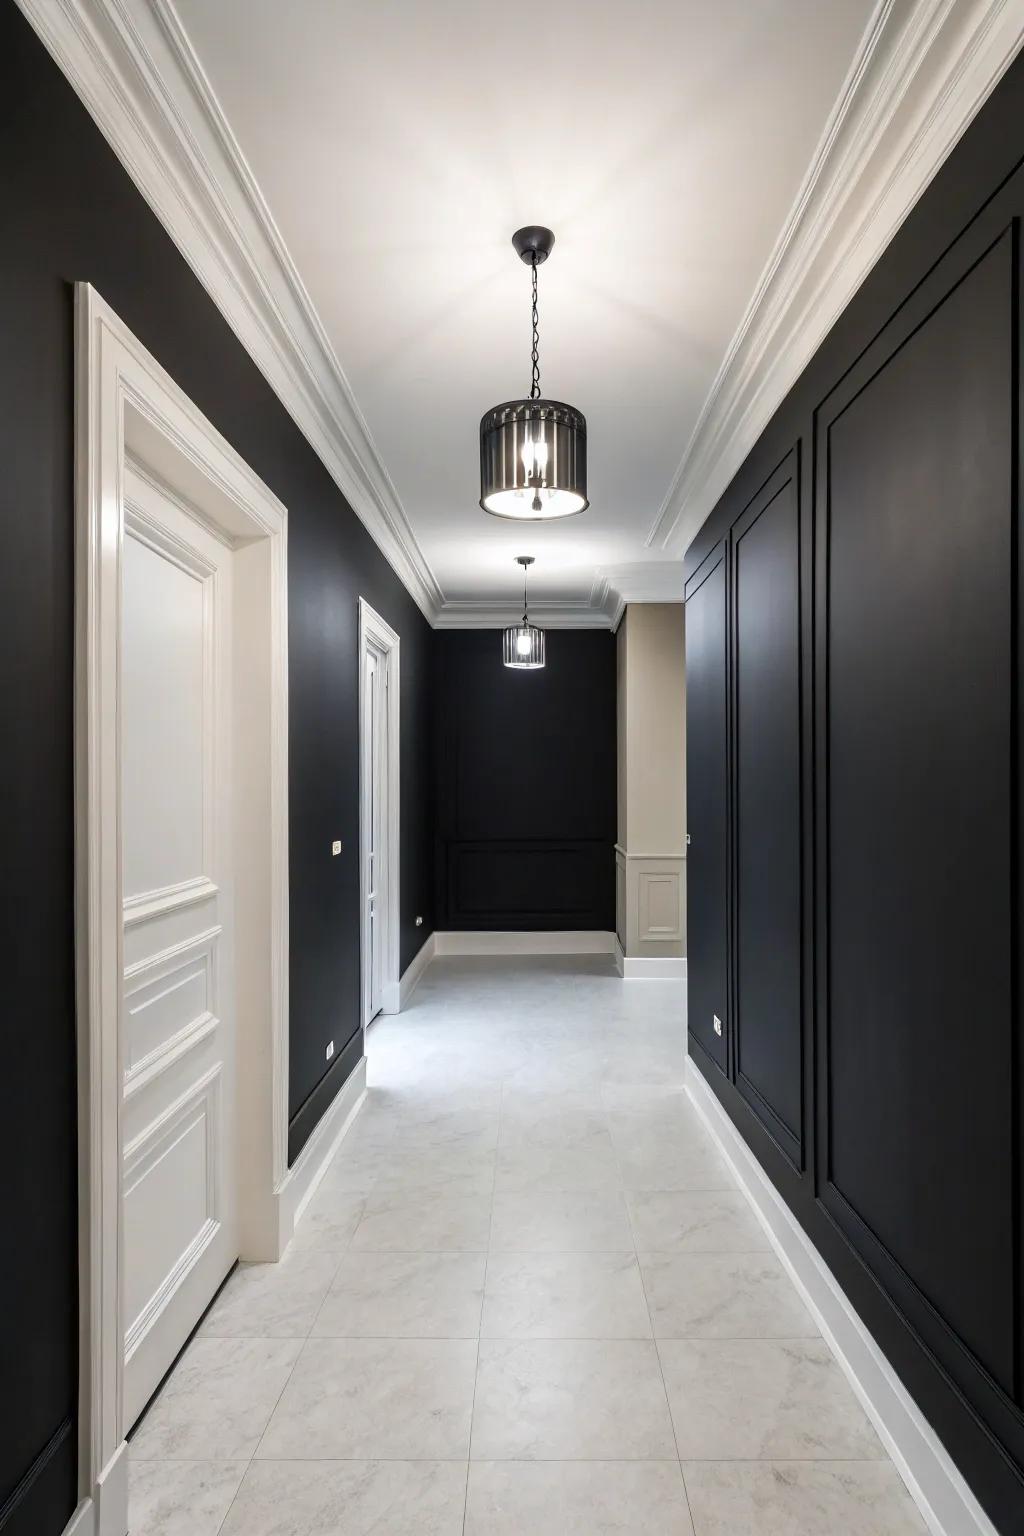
(522,646)
(533,460)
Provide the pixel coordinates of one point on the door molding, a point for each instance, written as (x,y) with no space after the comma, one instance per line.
(376,636)
(127,405)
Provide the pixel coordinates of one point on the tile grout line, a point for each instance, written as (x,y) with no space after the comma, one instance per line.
(661,1368)
(480,1324)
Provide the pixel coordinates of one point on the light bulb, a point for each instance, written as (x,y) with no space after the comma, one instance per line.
(535,458)
(523,644)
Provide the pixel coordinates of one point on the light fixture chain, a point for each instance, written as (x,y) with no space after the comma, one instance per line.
(535,385)
(526,568)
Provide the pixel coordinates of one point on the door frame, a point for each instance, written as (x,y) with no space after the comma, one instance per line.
(126,404)
(377,636)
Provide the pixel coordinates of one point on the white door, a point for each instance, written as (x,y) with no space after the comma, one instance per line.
(374,811)
(177,1025)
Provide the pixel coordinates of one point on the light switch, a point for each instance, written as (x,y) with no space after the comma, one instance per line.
(419,922)
(336,847)
(330,1049)
(718,1024)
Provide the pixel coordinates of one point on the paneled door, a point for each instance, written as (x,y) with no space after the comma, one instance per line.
(374,781)
(707,807)
(179,1235)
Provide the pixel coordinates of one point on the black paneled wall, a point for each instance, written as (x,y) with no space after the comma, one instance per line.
(71,212)
(525,784)
(854,773)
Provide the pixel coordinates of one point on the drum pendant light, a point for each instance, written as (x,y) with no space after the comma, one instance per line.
(522,645)
(533,453)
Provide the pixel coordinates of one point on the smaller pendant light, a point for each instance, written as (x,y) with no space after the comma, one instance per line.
(522,645)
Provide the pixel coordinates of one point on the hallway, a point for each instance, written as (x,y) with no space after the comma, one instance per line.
(527,1297)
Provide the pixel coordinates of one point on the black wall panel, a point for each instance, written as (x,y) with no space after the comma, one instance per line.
(916,502)
(766,869)
(525,784)
(872,777)
(71,212)
(707,816)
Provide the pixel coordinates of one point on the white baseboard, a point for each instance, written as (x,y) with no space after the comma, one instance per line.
(412,975)
(649,967)
(565,942)
(83,1521)
(948,1506)
(106,1512)
(298,1187)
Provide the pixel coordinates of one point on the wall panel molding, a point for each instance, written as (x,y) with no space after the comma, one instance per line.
(909,739)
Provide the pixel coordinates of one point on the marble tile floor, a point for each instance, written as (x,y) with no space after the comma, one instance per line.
(527,1299)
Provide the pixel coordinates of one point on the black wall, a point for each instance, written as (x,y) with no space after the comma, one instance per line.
(70,212)
(525,784)
(854,771)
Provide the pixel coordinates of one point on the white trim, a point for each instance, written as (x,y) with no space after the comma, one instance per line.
(413,973)
(83,1521)
(377,635)
(920,75)
(122,393)
(947,1504)
(136,71)
(491,613)
(648,968)
(104,1512)
(522,942)
(313,1161)
(644,581)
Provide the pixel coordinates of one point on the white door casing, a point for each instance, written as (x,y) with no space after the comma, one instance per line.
(139,911)
(180,1166)
(379,812)
(374,750)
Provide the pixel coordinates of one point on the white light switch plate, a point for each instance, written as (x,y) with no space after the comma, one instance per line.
(336,846)
(330,1049)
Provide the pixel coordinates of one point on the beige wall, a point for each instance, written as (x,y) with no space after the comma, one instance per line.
(652,729)
(650,882)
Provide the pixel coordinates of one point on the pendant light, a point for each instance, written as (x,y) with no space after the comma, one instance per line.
(533,453)
(522,645)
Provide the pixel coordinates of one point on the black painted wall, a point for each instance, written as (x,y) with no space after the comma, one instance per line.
(70,212)
(525,784)
(854,772)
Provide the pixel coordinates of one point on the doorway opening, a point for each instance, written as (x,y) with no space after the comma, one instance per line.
(379,812)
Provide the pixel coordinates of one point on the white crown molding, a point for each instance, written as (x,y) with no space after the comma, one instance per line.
(133,66)
(645,581)
(470,613)
(923,69)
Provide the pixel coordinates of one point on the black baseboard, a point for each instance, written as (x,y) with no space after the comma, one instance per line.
(309,1114)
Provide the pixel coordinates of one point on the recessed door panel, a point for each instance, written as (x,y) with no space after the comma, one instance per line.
(177,1022)
(707,802)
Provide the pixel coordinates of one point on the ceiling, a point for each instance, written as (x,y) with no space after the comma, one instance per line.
(399,144)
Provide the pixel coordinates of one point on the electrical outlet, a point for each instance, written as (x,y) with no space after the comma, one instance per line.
(336,847)
(330,1049)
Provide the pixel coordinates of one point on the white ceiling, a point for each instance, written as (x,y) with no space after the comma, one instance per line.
(398,145)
